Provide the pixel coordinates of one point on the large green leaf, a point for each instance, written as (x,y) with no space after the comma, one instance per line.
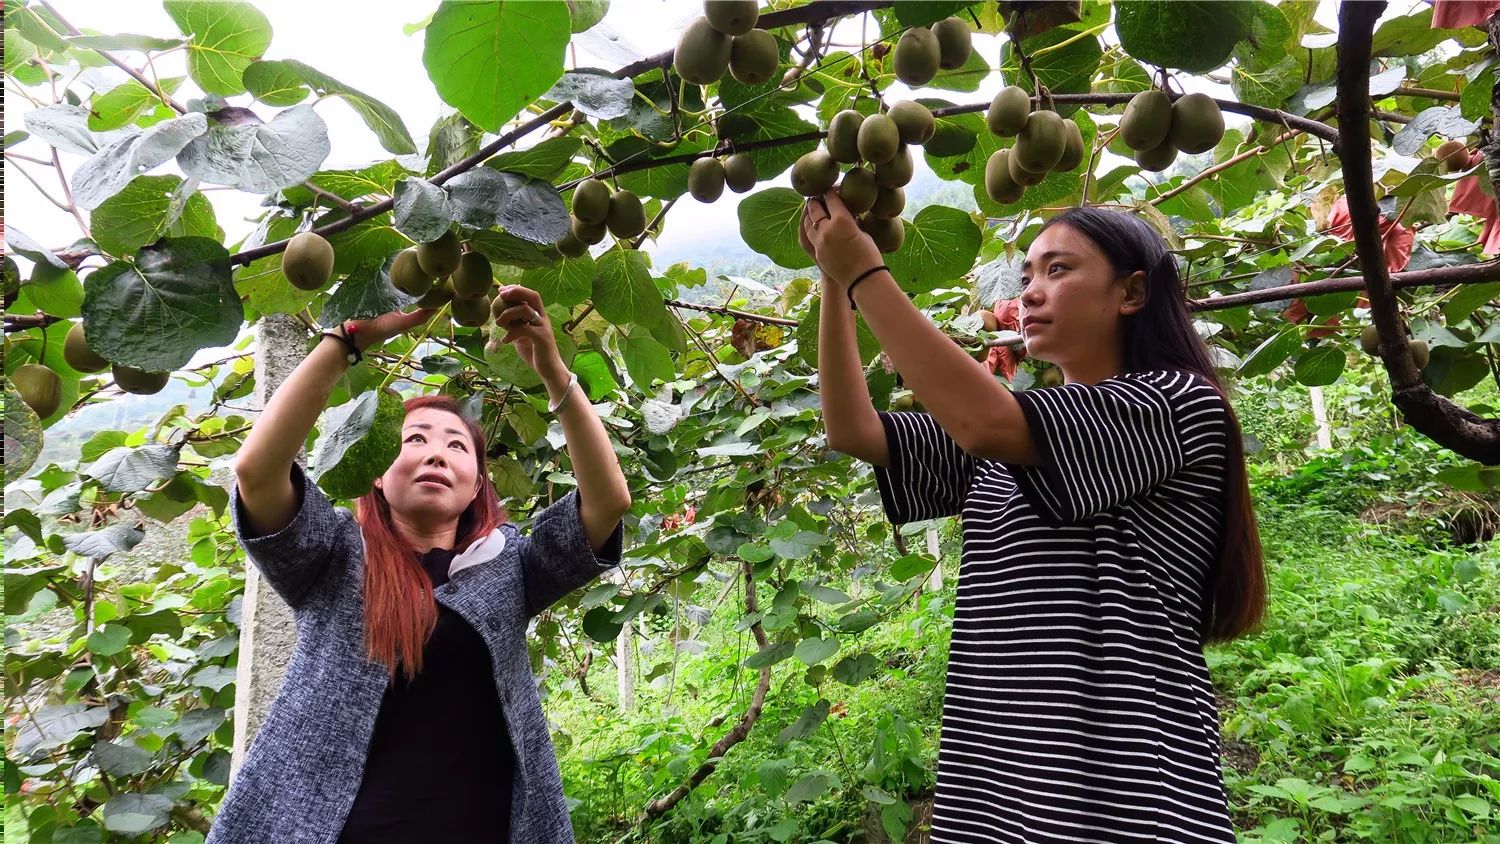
(1192,35)
(647,361)
(273,77)
(1319,366)
(123,103)
(528,208)
(597,93)
(490,59)
(367,292)
(240,150)
(769,223)
(544,161)
(624,293)
(422,210)
(764,122)
(135,814)
(569,282)
(941,245)
(126,469)
(227,37)
(23,435)
(359,441)
(108,171)
(175,299)
(149,207)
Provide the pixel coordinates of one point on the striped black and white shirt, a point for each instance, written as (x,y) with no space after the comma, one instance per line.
(1078,704)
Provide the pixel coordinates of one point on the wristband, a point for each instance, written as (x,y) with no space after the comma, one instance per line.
(568,391)
(354,355)
(861,277)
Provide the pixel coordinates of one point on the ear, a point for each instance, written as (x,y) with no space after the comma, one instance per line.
(1135,293)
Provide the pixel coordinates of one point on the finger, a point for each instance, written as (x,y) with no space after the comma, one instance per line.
(835,205)
(518,315)
(515,294)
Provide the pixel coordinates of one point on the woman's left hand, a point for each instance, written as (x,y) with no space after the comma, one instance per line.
(841,249)
(521,314)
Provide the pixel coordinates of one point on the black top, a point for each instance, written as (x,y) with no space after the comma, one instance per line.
(440,762)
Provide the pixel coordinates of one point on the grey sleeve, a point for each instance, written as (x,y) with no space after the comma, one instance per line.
(294,559)
(556,557)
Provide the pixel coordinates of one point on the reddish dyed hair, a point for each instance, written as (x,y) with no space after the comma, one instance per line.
(400,612)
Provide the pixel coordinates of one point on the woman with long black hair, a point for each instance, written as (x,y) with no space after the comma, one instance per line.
(1108,533)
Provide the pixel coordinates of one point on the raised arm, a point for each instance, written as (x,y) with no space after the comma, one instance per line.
(848,413)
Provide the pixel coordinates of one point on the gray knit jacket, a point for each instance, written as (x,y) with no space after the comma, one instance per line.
(304,766)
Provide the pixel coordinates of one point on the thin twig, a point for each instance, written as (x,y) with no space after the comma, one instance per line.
(1220,167)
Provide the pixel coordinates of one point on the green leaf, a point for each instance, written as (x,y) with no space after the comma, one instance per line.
(770,655)
(126,469)
(226,37)
(109,639)
(66,127)
(600,625)
(240,150)
(23,435)
(798,546)
(546,160)
(1319,366)
(100,544)
(569,282)
(808,721)
(378,178)
(124,41)
(108,171)
(1192,35)
(367,292)
(852,670)
(769,223)
(374,239)
(624,293)
(926,14)
(1474,100)
(359,441)
(175,299)
(1269,87)
(273,77)
(123,103)
(941,245)
(597,93)
(505,248)
(1410,35)
(814,651)
(531,209)
(647,361)
(808,788)
(763,122)
(422,210)
(1065,70)
(136,814)
(489,60)
(1270,353)
(912,565)
(141,213)
(118,759)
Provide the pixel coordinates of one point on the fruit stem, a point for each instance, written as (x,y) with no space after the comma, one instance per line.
(426,332)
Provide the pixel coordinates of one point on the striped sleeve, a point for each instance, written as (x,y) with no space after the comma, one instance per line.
(1107,443)
(929,475)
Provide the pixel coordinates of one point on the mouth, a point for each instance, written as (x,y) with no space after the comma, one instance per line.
(433,479)
(1032,322)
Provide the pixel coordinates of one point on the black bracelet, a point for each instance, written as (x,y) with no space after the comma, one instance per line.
(861,277)
(354,356)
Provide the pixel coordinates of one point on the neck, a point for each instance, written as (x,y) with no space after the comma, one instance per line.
(424,538)
(1092,370)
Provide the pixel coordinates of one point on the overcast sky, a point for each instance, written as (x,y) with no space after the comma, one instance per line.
(362,45)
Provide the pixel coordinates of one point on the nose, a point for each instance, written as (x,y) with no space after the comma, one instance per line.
(434,458)
(1031,296)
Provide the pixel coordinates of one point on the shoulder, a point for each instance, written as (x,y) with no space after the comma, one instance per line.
(1180,387)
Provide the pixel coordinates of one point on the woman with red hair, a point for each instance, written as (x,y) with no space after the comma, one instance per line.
(409,711)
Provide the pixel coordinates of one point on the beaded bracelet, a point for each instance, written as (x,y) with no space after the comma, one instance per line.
(354,355)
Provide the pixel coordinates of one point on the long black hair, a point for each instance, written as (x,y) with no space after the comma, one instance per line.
(1160,336)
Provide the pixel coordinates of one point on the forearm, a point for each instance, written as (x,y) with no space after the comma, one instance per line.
(848,413)
(278,435)
(601,482)
(975,409)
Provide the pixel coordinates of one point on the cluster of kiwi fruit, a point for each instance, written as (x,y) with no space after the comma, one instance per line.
(1452,156)
(921,52)
(1045,142)
(878,147)
(441,272)
(41,388)
(597,209)
(725,39)
(1369,341)
(708,176)
(1157,128)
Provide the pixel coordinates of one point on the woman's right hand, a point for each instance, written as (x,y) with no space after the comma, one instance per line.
(377,330)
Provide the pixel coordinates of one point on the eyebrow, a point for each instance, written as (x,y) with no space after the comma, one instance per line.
(427,427)
(1056,253)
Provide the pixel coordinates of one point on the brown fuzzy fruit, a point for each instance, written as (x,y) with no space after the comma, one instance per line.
(739,172)
(859,190)
(702,53)
(1158,158)
(1020,175)
(627,217)
(898,171)
(913,120)
(572,247)
(1453,155)
(473,276)
(407,274)
(1420,354)
(917,56)
(1008,111)
(471,311)
(887,233)
(1147,120)
(732,17)
(991,322)
(591,201)
(308,262)
(440,294)
(706,178)
(39,387)
(843,136)
(588,233)
(955,42)
(998,183)
(889,203)
(440,257)
(1197,123)
(1041,143)
(1072,148)
(138,381)
(879,139)
(1369,340)
(77,354)
(753,57)
(814,173)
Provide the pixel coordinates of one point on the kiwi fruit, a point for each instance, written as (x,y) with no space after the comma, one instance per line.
(732,17)
(916,56)
(913,121)
(439,295)
(1452,155)
(904,402)
(627,218)
(1052,377)
(591,201)
(1040,145)
(440,257)
(1420,354)
(1369,340)
(77,354)
(702,53)
(990,321)
(407,273)
(739,172)
(898,171)
(889,203)
(1157,158)
(308,261)
(998,183)
(879,138)
(1147,120)
(1008,111)
(753,57)
(843,136)
(955,43)
(814,173)
(858,190)
(471,311)
(39,387)
(1020,175)
(588,233)
(572,247)
(473,276)
(706,178)
(1197,123)
(1072,148)
(139,382)
(886,232)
